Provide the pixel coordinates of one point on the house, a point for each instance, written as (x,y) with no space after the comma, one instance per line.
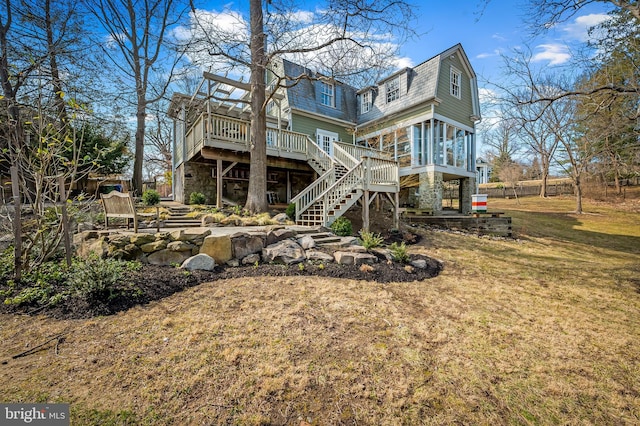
(483,170)
(331,145)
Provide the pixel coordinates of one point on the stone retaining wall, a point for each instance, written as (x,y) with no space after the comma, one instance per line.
(277,244)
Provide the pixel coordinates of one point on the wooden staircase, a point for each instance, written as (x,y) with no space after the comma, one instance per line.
(342,182)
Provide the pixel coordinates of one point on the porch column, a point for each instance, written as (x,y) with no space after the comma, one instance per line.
(430,191)
(467,186)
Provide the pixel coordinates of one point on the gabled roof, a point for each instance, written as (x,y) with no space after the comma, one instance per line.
(303,94)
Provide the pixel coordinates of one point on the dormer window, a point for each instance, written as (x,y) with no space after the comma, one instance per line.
(365,102)
(393,89)
(327,94)
(455,77)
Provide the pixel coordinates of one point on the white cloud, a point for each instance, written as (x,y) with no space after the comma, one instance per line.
(579,28)
(554,53)
(484,55)
(403,62)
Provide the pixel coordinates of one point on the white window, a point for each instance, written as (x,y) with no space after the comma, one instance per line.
(327,91)
(365,102)
(455,82)
(393,89)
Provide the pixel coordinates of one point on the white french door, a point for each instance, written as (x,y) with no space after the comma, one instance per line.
(325,140)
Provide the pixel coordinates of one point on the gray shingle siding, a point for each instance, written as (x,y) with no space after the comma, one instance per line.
(306,95)
(420,85)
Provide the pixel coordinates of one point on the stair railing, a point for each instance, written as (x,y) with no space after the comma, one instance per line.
(343,157)
(311,193)
(319,155)
(337,192)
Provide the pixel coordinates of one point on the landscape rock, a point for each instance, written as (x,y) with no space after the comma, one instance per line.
(307,242)
(163,236)
(192,235)
(167,257)
(285,251)
(208,219)
(119,240)
(141,239)
(419,263)
(218,247)
(386,253)
(246,245)
(251,259)
(281,218)
(354,248)
(234,263)
(319,255)
(199,262)
(97,247)
(128,252)
(180,246)
(278,235)
(354,258)
(154,246)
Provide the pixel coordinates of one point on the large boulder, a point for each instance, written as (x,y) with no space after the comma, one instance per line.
(354,258)
(285,251)
(307,242)
(218,247)
(251,259)
(180,246)
(278,235)
(167,257)
(245,245)
(141,239)
(128,252)
(319,256)
(192,235)
(199,262)
(154,246)
(97,247)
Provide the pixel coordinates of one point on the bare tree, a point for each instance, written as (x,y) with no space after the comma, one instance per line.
(323,39)
(138,48)
(510,174)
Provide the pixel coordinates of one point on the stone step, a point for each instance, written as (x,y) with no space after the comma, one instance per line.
(181,224)
(327,240)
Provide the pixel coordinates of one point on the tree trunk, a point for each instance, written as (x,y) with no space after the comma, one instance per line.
(55,72)
(578,193)
(257,193)
(543,186)
(136,181)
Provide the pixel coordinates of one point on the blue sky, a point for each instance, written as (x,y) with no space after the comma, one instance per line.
(485,30)
(498,29)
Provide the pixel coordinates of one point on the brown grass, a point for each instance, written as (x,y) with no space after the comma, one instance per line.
(540,330)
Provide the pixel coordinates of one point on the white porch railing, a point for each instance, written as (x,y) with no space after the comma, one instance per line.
(360,151)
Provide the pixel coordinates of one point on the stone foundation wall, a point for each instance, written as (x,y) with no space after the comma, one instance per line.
(467,188)
(430,191)
(197,178)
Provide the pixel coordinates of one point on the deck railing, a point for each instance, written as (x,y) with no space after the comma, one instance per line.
(361,151)
(381,172)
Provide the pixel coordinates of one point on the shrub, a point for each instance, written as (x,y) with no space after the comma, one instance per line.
(342,227)
(96,279)
(370,240)
(150,197)
(197,198)
(399,252)
(291,211)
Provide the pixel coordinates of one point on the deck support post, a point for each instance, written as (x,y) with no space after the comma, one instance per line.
(218,183)
(365,211)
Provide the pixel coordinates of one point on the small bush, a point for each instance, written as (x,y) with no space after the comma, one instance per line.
(369,240)
(342,227)
(399,252)
(97,279)
(291,211)
(150,197)
(197,198)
